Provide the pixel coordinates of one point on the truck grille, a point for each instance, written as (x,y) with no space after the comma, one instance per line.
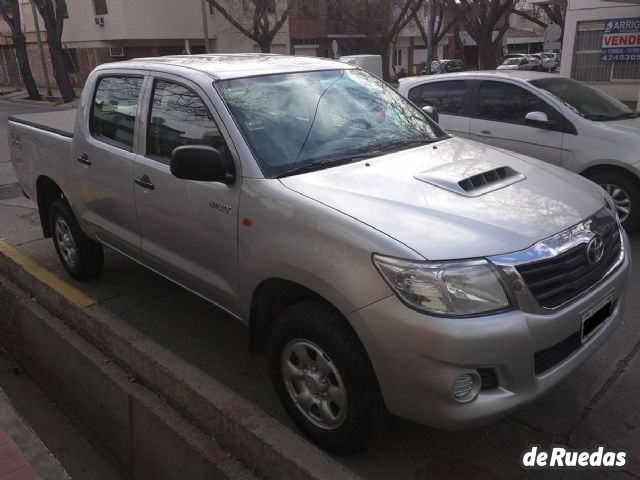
(558,279)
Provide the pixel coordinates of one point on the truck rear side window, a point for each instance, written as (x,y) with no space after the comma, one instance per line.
(179,117)
(115,108)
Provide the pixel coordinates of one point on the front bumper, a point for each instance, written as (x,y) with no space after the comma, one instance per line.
(417,358)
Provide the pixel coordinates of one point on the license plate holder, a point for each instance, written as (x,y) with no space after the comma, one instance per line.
(595,316)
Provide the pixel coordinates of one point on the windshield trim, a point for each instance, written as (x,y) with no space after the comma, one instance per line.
(437,130)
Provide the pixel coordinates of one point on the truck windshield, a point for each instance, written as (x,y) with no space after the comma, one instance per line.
(584,100)
(299,121)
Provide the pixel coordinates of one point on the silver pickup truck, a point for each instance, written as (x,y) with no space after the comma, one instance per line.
(383,264)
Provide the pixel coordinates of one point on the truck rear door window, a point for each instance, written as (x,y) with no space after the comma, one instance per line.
(179,117)
(115,108)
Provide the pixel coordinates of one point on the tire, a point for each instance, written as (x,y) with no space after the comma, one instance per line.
(624,188)
(81,257)
(357,415)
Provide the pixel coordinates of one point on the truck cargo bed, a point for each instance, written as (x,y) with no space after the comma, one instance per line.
(61,122)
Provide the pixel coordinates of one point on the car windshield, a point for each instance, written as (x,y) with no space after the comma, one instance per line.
(302,121)
(512,61)
(584,100)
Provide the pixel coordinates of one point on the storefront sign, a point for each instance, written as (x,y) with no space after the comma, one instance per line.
(621,40)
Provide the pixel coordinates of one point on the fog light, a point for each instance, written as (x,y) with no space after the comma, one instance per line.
(466,387)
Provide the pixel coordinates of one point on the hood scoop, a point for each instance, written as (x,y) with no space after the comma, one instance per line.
(470,179)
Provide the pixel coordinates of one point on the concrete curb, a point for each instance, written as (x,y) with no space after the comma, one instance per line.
(258,440)
(133,425)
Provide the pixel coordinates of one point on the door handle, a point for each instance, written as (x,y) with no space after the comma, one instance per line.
(484,133)
(145,182)
(84,159)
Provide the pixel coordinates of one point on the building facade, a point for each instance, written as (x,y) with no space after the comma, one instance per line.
(99,31)
(582,52)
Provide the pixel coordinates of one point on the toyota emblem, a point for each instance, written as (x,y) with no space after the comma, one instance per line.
(595,250)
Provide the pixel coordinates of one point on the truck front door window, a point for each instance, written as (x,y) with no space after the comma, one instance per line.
(179,117)
(115,108)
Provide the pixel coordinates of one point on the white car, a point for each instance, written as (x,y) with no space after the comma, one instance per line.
(555,119)
(515,63)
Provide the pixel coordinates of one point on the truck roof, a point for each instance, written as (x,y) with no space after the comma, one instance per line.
(226,66)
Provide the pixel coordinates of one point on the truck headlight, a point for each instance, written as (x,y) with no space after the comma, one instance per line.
(456,288)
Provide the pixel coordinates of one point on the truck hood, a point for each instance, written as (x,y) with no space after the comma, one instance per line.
(415,197)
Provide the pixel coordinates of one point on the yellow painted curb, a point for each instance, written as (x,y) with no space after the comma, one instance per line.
(32,267)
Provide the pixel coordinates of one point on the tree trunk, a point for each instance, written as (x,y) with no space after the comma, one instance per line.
(22,56)
(265,46)
(459,54)
(60,71)
(386,63)
(486,55)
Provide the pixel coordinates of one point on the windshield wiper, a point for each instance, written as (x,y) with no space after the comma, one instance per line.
(596,117)
(327,162)
(627,115)
(605,118)
(406,143)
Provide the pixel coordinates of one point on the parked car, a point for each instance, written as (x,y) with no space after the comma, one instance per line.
(379,260)
(445,66)
(515,63)
(535,61)
(550,61)
(558,120)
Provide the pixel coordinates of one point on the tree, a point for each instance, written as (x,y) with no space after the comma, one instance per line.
(480,19)
(53,13)
(10,12)
(443,22)
(258,20)
(380,21)
(555,12)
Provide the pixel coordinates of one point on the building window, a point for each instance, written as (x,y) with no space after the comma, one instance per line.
(100,7)
(397,56)
(308,9)
(587,65)
(334,12)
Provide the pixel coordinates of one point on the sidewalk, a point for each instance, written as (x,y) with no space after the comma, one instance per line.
(22,455)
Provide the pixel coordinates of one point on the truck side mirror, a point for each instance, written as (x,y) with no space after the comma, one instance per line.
(432,112)
(202,163)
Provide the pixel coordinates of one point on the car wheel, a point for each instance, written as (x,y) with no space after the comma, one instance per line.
(625,192)
(324,378)
(81,257)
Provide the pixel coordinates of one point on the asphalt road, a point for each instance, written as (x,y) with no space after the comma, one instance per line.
(595,406)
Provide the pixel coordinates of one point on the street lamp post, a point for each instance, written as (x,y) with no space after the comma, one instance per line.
(205,26)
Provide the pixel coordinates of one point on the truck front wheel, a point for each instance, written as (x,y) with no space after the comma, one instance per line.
(81,257)
(323,377)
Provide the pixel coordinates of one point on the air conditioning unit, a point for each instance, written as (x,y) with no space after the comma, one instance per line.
(100,21)
(116,52)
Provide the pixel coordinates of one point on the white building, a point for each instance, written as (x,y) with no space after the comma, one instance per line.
(582,51)
(99,31)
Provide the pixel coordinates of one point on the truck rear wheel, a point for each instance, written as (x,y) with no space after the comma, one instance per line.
(324,378)
(81,257)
